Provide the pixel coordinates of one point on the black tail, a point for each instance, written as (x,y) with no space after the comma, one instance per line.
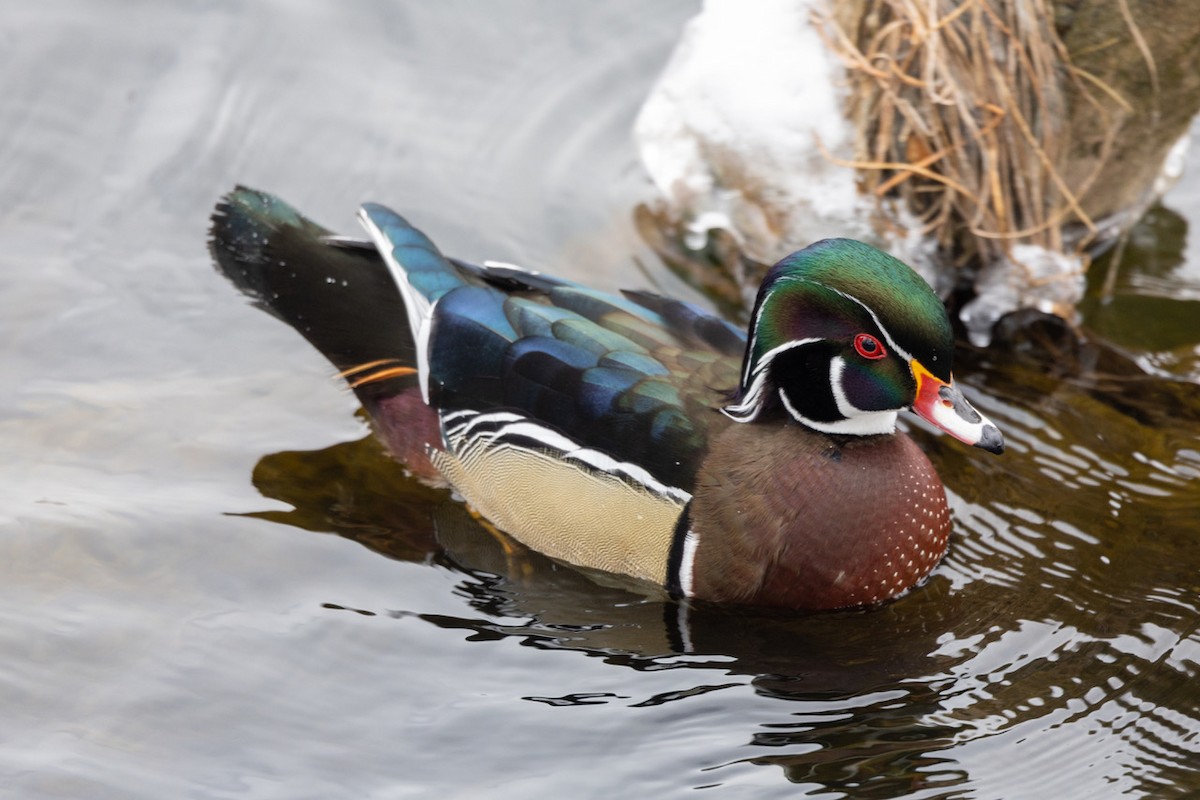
(341,299)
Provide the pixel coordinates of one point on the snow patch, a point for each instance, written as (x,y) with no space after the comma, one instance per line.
(730,133)
(1030,277)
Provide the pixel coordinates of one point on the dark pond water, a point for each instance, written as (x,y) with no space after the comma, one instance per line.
(214,586)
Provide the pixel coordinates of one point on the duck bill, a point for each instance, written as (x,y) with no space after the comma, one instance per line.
(944,406)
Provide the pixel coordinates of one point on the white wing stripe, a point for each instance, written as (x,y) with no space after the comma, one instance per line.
(420,309)
(467,434)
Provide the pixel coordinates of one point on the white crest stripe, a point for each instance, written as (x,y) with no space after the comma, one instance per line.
(878,323)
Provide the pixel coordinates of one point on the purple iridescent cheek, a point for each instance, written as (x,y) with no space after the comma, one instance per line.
(873,388)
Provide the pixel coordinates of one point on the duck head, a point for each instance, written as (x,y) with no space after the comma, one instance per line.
(843,337)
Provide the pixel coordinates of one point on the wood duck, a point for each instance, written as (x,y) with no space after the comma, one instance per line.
(638,434)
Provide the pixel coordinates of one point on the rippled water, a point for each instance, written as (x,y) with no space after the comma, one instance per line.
(176,623)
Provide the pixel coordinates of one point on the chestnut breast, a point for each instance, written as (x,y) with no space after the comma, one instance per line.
(805,520)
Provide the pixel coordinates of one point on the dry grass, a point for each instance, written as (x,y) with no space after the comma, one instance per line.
(961,112)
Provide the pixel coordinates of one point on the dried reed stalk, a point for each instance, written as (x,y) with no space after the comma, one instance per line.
(961,110)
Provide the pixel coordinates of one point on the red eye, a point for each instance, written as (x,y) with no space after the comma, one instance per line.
(868,346)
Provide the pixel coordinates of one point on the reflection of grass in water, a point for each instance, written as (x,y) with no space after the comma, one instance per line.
(1134,300)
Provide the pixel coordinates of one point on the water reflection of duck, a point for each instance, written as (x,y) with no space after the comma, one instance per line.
(552,408)
(350,490)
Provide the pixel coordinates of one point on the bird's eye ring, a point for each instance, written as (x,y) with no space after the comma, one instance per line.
(869,347)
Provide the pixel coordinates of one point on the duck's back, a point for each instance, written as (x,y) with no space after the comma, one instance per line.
(641,382)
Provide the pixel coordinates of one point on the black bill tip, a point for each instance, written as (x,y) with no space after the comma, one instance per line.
(991,440)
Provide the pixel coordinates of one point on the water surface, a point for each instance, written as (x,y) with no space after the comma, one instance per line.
(216,586)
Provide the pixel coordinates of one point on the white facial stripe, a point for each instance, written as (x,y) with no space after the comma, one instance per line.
(468,441)
(754,336)
(837,367)
(770,355)
(866,423)
(747,410)
(758,317)
(857,422)
(751,405)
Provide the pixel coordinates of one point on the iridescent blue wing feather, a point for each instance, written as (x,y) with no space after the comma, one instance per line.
(426,270)
(637,378)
